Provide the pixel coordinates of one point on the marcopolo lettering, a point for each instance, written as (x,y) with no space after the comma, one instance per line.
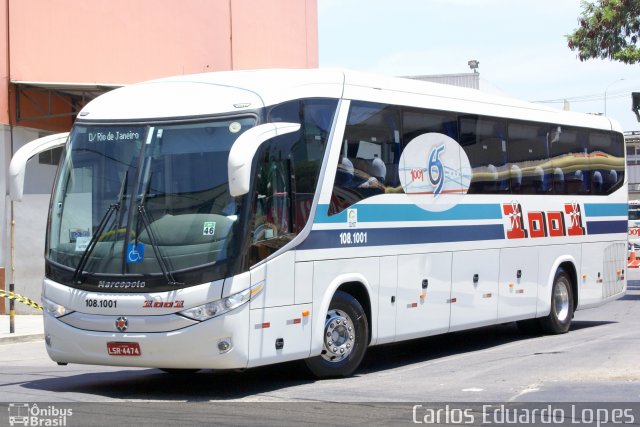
(124,284)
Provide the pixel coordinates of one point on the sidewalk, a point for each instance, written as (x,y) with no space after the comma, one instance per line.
(27,328)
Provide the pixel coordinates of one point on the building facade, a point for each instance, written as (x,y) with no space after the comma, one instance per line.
(632,140)
(57,56)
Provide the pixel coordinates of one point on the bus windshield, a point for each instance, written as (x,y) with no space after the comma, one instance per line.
(144,200)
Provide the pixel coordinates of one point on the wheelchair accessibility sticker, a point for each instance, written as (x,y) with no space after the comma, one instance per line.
(135,253)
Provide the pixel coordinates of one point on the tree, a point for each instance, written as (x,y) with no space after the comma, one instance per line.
(608,29)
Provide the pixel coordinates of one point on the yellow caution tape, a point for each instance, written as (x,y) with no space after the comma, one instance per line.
(24,300)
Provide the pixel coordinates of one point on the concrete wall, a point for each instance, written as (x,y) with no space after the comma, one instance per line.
(30,223)
(38,178)
(30,226)
(5,155)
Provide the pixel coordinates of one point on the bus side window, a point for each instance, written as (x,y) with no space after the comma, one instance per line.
(271,226)
(527,154)
(484,142)
(368,162)
(307,152)
(568,161)
(606,158)
(287,172)
(417,122)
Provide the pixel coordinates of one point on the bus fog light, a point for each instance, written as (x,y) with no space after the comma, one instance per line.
(224,345)
(47,340)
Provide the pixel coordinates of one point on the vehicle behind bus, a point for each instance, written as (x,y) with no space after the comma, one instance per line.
(634,225)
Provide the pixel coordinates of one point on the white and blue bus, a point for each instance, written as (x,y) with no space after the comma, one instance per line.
(237,219)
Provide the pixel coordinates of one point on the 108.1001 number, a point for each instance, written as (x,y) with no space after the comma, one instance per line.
(353,238)
(101,303)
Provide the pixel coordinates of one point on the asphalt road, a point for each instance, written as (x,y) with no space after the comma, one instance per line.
(597,361)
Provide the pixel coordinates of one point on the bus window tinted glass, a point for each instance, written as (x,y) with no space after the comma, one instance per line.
(484,142)
(416,123)
(307,148)
(606,162)
(569,163)
(527,155)
(287,174)
(369,156)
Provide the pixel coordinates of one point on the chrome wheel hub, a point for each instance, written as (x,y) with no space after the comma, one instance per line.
(339,336)
(561,300)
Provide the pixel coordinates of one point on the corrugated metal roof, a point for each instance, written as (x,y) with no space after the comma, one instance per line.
(468,80)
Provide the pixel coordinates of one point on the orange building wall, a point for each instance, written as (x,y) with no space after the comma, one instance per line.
(268,36)
(117,41)
(4,72)
(124,41)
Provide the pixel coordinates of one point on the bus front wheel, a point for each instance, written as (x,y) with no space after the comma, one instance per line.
(345,338)
(559,319)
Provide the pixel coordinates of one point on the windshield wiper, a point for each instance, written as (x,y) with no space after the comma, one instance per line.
(103,224)
(142,213)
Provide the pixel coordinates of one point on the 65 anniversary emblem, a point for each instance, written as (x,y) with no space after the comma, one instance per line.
(434,171)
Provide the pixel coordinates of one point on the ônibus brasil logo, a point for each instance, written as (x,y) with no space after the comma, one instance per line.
(434,171)
(24,414)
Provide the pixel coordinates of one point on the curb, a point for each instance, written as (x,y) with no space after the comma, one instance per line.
(21,338)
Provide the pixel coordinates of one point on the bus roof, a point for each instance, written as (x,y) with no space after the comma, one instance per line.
(235,91)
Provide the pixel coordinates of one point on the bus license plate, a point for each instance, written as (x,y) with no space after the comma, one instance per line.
(123,349)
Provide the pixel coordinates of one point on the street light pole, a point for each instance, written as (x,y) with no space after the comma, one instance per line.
(605,93)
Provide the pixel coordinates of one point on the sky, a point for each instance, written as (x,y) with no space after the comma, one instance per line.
(520,44)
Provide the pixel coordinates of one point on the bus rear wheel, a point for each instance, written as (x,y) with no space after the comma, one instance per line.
(345,338)
(559,319)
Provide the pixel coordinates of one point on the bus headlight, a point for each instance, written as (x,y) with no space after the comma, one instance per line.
(54,309)
(221,306)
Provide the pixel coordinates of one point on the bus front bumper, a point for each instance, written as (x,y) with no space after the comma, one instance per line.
(201,346)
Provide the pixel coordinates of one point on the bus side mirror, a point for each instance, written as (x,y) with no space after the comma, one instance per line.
(245,147)
(635,104)
(19,160)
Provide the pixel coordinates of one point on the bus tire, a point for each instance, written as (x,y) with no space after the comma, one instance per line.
(345,339)
(559,319)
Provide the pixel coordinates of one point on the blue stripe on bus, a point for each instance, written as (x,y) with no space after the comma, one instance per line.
(390,213)
(606,209)
(606,227)
(327,239)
